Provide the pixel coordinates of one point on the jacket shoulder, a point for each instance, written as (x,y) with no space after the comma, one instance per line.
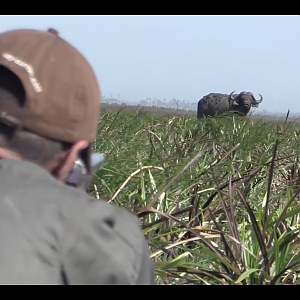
(105,245)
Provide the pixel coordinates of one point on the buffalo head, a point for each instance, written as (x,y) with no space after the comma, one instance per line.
(243,102)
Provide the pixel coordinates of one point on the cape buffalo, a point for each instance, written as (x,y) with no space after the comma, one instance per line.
(215,103)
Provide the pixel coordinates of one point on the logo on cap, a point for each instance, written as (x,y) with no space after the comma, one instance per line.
(36,85)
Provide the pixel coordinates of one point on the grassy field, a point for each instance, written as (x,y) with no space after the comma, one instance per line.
(217,198)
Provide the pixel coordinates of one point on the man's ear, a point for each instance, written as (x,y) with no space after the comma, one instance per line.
(65,166)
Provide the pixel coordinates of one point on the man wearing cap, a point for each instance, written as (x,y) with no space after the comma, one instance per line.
(50,232)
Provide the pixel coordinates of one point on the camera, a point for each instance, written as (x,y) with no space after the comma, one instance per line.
(79,176)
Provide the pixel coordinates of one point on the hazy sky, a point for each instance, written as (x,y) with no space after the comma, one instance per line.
(185,57)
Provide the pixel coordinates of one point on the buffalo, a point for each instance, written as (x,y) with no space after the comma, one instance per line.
(215,104)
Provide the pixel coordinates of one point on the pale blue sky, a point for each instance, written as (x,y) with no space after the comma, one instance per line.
(185,57)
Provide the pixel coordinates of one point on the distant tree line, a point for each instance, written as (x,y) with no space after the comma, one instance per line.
(173,103)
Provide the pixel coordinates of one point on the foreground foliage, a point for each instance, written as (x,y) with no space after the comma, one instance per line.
(218,198)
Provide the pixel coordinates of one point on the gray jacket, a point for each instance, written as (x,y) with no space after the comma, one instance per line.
(54,234)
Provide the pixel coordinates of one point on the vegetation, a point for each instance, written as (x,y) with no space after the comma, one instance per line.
(174,103)
(217,198)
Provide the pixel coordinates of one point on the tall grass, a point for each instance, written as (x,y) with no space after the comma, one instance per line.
(217,198)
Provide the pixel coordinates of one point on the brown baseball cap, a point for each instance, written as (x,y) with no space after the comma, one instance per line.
(62,93)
